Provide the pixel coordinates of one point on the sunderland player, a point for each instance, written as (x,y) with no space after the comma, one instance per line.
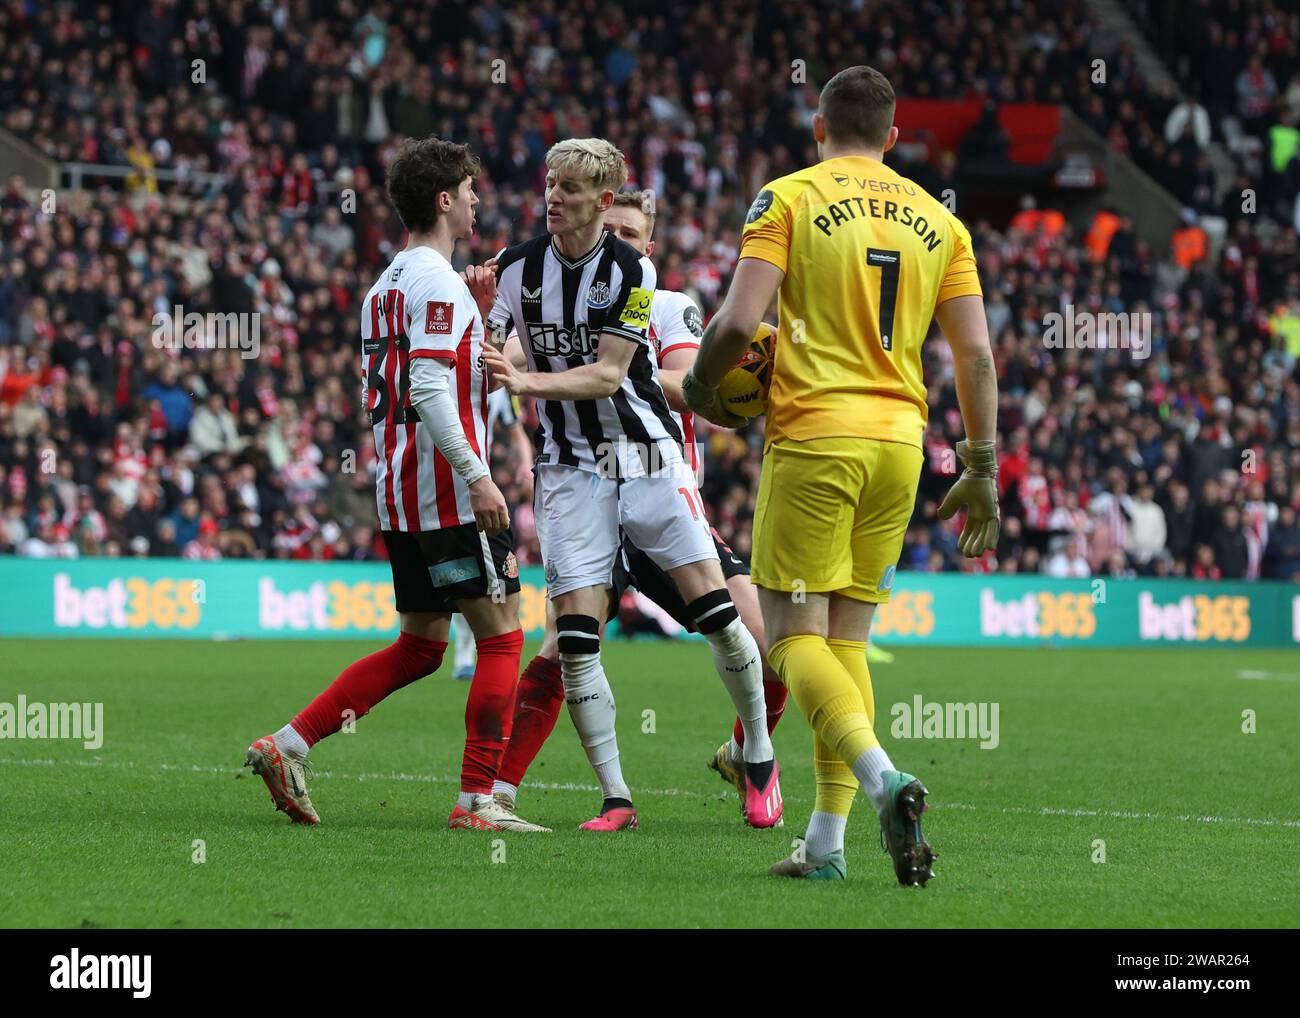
(443,520)
(863,259)
(611,457)
(675,328)
(503,409)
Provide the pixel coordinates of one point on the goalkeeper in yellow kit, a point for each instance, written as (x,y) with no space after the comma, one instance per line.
(862,260)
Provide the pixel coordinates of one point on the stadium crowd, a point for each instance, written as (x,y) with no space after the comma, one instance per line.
(1186,462)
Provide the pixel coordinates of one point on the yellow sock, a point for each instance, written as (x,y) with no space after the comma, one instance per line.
(836,785)
(832,702)
(853,656)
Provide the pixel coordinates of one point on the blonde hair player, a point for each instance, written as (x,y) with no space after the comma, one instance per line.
(676,325)
(611,461)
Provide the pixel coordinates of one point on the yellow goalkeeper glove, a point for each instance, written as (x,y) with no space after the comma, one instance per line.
(705,400)
(976,489)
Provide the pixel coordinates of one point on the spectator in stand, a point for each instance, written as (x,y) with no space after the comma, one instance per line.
(1068,558)
(1282,558)
(1033,220)
(1256,90)
(1208,515)
(1188,119)
(1205,568)
(173,402)
(1190,244)
(185,522)
(1179,520)
(300,125)
(1230,549)
(1105,224)
(213,428)
(1147,533)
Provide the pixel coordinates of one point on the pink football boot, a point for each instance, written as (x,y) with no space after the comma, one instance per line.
(763,806)
(620,818)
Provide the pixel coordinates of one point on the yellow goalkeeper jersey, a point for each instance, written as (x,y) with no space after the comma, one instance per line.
(867,256)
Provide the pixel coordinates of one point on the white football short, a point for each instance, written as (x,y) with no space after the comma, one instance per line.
(579,515)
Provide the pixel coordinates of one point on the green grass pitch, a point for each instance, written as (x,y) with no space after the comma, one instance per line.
(1142,750)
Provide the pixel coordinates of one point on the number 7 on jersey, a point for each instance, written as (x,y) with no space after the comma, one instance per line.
(888,263)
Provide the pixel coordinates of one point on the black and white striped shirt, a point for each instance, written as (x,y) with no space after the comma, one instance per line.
(559,309)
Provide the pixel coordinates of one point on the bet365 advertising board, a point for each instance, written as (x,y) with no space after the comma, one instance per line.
(311,600)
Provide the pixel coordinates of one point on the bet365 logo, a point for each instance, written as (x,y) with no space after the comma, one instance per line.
(1038,614)
(325,606)
(908,613)
(129,602)
(1196,618)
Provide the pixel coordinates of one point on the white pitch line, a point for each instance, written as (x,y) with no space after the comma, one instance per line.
(571,786)
(1050,811)
(1262,676)
(436,779)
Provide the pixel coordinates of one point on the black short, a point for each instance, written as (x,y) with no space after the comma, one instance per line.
(433,569)
(634,568)
(731,562)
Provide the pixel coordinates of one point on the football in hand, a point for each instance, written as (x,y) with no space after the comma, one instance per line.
(744,388)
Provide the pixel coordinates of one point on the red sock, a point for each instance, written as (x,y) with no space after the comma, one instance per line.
(366,682)
(774,692)
(537,706)
(490,709)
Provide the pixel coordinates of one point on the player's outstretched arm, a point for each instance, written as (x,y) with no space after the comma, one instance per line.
(596,380)
(673,369)
(514,351)
(511,348)
(966,329)
(752,289)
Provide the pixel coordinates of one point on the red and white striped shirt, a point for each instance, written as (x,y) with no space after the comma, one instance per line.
(676,324)
(420,307)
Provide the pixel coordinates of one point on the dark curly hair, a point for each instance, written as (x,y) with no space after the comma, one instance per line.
(423,168)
